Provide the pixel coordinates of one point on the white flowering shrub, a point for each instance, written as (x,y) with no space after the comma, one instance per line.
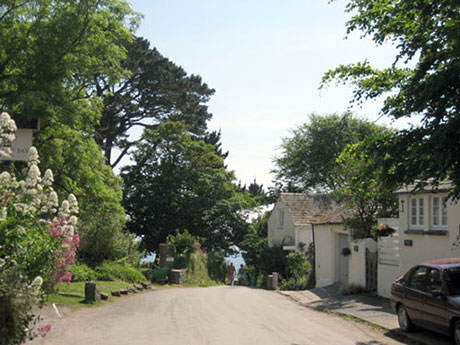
(38,241)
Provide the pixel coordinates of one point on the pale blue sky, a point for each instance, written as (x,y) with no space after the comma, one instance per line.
(265,59)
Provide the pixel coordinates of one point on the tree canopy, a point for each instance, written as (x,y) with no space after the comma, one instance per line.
(363,187)
(422,80)
(155,91)
(179,182)
(50,52)
(308,160)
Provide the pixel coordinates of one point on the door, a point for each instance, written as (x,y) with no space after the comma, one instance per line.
(343,259)
(415,295)
(436,307)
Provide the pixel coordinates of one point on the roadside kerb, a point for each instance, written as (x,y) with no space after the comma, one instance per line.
(373,310)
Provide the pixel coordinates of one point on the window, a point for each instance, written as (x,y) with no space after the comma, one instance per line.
(281,214)
(439,212)
(417,212)
(418,279)
(434,281)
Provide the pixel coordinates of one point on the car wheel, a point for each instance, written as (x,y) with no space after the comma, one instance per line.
(456,332)
(405,323)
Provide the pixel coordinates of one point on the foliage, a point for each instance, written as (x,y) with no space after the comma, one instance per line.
(217,266)
(82,273)
(177,183)
(362,185)
(298,270)
(292,283)
(184,243)
(197,270)
(261,259)
(159,274)
(80,167)
(50,52)
(155,91)
(422,81)
(308,160)
(383,230)
(37,242)
(297,265)
(112,271)
(17,298)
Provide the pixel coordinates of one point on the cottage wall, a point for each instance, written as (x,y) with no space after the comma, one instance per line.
(414,243)
(327,253)
(280,231)
(357,260)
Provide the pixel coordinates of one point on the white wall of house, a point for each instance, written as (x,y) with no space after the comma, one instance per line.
(427,230)
(357,260)
(327,253)
(304,235)
(389,258)
(280,226)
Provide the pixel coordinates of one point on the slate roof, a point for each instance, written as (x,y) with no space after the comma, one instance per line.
(427,187)
(305,209)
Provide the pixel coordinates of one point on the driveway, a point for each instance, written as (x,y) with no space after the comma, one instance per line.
(221,315)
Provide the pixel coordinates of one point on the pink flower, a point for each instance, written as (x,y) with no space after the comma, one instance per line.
(43,331)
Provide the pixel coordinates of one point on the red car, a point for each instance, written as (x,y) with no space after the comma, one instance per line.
(428,296)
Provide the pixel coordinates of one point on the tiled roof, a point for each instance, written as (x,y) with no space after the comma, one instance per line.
(305,209)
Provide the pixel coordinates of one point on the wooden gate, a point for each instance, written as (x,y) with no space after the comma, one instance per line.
(371,270)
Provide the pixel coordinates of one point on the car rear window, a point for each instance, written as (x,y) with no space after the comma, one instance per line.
(453,280)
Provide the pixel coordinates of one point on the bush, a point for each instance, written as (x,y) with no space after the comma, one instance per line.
(82,273)
(217,267)
(298,269)
(112,271)
(158,274)
(297,265)
(294,283)
(184,243)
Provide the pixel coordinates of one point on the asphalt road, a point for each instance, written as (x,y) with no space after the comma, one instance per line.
(221,315)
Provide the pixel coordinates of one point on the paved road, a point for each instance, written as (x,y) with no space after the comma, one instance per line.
(218,315)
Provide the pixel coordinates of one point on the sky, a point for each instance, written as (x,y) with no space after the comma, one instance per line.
(265,59)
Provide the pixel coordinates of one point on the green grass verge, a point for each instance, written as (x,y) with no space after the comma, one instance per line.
(74,293)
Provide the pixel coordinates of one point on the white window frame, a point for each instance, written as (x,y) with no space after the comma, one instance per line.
(281,217)
(416,213)
(439,212)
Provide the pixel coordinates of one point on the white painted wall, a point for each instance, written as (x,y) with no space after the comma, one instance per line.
(357,260)
(327,253)
(277,234)
(425,246)
(389,258)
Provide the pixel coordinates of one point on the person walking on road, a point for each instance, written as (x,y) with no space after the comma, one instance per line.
(242,276)
(230,274)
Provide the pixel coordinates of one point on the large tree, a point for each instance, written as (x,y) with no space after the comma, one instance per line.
(308,159)
(362,185)
(179,182)
(422,80)
(49,53)
(156,90)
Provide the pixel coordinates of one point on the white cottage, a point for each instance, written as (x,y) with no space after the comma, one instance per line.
(291,219)
(428,228)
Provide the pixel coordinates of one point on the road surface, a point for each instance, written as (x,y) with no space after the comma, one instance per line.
(220,315)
